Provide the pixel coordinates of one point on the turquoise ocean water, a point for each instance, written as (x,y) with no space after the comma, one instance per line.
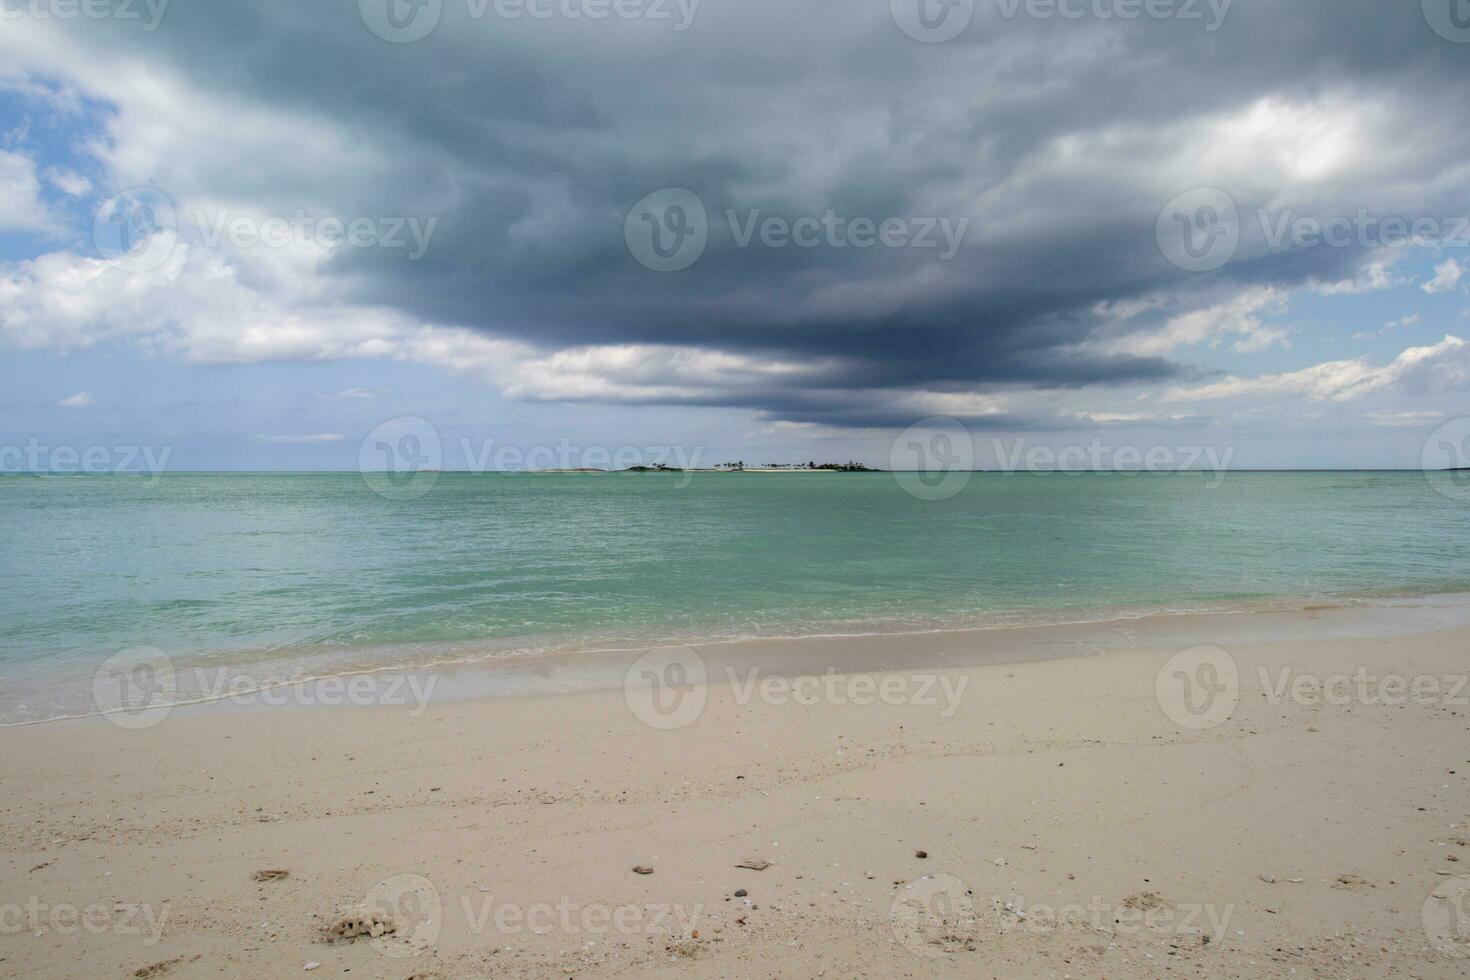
(319,571)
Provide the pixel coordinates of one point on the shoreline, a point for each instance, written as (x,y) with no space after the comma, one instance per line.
(467,672)
(1059,788)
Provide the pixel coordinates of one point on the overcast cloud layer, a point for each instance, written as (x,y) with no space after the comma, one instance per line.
(1037,154)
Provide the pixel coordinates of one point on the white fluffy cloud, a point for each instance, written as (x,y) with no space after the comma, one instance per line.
(1372,277)
(195,305)
(1443,364)
(1238,321)
(1447,276)
(69,182)
(21,208)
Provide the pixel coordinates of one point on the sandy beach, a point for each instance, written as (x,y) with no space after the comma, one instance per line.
(384,591)
(1073,822)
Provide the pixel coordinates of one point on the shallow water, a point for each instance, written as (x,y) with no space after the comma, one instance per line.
(317,572)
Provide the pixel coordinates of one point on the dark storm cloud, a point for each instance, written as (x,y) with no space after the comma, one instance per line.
(531,140)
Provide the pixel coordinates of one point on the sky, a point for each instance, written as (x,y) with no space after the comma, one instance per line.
(274,235)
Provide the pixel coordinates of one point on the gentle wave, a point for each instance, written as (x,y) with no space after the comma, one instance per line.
(413,660)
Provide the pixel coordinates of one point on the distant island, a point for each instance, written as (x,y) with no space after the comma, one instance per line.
(809,467)
(738,467)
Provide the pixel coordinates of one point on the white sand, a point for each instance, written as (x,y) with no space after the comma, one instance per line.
(1291,839)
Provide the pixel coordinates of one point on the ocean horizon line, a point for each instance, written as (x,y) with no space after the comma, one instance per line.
(794,470)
